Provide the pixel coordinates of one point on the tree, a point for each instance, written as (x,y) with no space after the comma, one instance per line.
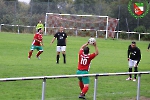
(44,6)
(8,11)
(22,14)
(85,6)
(140,29)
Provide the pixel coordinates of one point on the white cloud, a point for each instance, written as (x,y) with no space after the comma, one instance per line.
(27,1)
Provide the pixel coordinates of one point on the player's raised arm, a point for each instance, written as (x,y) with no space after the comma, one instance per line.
(84,45)
(52,40)
(96,49)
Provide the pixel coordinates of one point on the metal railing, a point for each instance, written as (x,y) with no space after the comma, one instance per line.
(131,33)
(73,76)
(17,27)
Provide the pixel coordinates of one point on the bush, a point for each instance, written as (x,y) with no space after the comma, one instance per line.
(123,35)
(140,29)
(145,36)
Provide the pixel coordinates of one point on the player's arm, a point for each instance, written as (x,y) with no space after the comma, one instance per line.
(55,36)
(128,53)
(41,42)
(96,49)
(36,38)
(37,26)
(84,45)
(53,40)
(66,41)
(42,27)
(139,56)
(66,38)
(148,47)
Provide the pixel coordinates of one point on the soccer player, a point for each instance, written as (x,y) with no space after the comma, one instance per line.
(40,25)
(148,47)
(84,60)
(134,57)
(37,44)
(61,44)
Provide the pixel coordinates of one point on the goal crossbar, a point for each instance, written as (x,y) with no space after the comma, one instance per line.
(74,15)
(80,22)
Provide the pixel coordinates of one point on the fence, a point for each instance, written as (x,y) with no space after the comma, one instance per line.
(30,14)
(139,34)
(31,29)
(17,28)
(73,76)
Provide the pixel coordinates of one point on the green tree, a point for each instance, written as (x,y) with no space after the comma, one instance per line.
(86,6)
(147,36)
(140,29)
(2,11)
(8,11)
(22,15)
(44,6)
(37,7)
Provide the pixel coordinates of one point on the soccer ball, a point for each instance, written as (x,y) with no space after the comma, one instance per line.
(91,41)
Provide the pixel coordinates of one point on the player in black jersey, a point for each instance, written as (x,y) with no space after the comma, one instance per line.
(61,37)
(134,57)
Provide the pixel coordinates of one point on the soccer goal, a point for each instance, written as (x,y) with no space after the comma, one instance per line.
(81,25)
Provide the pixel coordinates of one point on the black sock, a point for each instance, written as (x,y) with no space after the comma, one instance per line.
(130,70)
(64,55)
(57,59)
(135,70)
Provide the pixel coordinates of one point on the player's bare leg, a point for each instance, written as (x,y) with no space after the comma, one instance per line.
(38,54)
(30,54)
(57,57)
(84,91)
(64,56)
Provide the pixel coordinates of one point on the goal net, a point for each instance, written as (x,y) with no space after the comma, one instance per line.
(81,25)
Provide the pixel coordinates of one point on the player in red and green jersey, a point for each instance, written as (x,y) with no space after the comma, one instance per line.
(37,44)
(84,60)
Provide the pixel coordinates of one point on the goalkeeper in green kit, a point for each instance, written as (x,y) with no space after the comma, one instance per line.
(39,25)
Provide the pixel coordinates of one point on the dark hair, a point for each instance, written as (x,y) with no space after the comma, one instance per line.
(39,29)
(86,50)
(133,42)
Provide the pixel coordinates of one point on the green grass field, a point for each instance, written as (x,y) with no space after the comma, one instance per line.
(112,58)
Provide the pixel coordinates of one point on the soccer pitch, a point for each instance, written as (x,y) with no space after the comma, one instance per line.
(112,58)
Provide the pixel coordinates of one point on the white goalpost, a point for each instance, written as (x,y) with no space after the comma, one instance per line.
(78,23)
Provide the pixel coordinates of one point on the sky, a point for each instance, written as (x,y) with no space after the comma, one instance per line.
(27,1)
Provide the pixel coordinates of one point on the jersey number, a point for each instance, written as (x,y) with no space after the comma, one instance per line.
(83,61)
